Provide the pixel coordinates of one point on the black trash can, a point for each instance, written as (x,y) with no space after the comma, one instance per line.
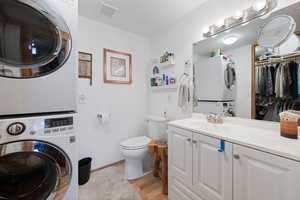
(84,167)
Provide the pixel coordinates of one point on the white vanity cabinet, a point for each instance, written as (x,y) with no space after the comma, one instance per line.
(199,169)
(212,168)
(260,175)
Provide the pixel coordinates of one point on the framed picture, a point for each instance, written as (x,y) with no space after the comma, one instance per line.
(117,67)
(85,65)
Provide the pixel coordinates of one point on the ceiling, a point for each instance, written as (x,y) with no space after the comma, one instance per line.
(143,17)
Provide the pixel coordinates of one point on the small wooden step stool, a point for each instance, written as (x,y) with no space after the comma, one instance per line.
(160,149)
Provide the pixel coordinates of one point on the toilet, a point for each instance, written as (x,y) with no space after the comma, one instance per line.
(135,150)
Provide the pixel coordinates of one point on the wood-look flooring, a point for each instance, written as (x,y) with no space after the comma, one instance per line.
(149,187)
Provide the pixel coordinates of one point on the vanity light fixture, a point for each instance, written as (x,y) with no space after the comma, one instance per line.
(220,23)
(259,5)
(205,29)
(238,14)
(258,9)
(230,40)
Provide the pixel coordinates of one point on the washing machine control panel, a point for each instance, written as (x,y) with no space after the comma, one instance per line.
(58,122)
(39,127)
(58,125)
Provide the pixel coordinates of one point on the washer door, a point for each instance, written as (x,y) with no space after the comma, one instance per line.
(34,40)
(33,170)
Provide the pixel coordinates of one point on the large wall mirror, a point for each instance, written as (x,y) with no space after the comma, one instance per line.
(252,71)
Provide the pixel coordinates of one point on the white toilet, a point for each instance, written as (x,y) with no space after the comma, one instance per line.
(135,149)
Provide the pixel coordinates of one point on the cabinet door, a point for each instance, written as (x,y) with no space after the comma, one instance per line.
(260,175)
(177,191)
(212,170)
(180,155)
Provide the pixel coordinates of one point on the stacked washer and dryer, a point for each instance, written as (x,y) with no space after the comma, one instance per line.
(38,123)
(215,86)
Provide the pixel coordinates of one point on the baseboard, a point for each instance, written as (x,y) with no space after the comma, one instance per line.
(106,166)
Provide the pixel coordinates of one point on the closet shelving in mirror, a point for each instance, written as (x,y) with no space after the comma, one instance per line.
(278,60)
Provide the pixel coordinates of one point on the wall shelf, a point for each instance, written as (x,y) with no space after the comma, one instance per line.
(169,63)
(165,87)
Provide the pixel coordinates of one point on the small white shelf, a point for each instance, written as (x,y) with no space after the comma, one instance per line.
(169,63)
(165,87)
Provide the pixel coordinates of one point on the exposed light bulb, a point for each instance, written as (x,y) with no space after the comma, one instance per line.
(230,40)
(259,5)
(238,14)
(205,29)
(220,23)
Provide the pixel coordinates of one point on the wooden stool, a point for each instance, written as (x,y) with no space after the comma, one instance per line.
(160,150)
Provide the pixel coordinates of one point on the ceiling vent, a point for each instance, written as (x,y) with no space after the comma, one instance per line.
(107,10)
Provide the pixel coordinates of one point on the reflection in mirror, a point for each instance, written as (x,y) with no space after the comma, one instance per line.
(252,70)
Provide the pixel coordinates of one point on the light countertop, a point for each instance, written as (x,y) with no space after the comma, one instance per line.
(260,135)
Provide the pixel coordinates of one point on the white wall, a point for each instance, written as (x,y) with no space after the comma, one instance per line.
(242,58)
(126,103)
(180,37)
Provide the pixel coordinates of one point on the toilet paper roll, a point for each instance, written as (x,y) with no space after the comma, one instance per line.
(104,118)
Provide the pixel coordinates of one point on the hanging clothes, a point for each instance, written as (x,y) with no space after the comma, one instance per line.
(283,81)
(293,67)
(298,76)
(265,80)
(269,82)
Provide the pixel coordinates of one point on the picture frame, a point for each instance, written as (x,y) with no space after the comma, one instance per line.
(85,66)
(117,67)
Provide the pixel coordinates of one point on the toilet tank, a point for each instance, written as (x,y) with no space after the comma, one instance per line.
(157,126)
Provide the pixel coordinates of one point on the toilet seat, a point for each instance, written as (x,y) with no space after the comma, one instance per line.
(135,143)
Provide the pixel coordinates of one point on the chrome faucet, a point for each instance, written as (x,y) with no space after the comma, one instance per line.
(215,118)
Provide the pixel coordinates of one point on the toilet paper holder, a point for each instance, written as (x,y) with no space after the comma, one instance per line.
(99,116)
(104,117)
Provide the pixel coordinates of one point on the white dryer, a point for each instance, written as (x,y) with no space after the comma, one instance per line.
(215,79)
(38,56)
(38,158)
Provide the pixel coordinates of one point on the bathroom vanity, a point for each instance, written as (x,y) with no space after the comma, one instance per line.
(240,159)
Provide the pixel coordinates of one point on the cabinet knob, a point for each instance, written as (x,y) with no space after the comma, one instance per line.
(189,139)
(236,156)
(194,142)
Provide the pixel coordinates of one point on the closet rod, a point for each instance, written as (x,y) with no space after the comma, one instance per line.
(279,60)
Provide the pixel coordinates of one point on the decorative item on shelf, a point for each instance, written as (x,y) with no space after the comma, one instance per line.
(259,9)
(172,80)
(167,59)
(117,67)
(159,81)
(289,122)
(85,66)
(217,52)
(155,70)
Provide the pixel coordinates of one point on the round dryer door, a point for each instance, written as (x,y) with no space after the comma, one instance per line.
(34,40)
(229,76)
(33,170)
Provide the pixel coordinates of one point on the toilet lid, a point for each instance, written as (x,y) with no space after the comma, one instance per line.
(136,143)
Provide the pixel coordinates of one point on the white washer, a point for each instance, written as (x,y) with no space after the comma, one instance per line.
(215,79)
(38,158)
(38,56)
